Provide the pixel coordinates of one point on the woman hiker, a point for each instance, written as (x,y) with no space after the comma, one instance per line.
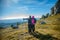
(33,20)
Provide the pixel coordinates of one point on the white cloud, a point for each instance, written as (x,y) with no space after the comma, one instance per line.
(15,1)
(21,12)
(16,16)
(23,8)
(43,2)
(37,16)
(36,2)
(29,1)
(8,3)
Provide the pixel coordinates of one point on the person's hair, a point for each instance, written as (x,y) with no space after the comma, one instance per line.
(29,16)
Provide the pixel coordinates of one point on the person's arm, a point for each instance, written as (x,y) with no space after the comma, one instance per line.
(25,18)
(35,20)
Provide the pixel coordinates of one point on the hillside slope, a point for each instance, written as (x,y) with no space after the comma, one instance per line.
(48,31)
(51,26)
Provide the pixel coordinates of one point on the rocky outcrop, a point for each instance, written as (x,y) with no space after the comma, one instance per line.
(56,8)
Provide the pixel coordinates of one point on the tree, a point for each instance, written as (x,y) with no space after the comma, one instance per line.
(43,17)
(47,15)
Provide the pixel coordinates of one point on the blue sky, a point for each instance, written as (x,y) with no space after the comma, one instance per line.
(15,9)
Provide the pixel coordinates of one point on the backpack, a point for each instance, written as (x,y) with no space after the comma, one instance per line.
(33,21)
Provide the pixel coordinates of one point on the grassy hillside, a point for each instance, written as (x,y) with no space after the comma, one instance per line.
(52,26)
(12,34)
(48,31)
(51,22)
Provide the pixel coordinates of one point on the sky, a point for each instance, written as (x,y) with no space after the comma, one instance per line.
(17,9)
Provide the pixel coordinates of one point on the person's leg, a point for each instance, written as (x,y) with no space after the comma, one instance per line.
(33,28)
(29,29)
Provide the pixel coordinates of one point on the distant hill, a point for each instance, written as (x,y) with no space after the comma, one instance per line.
(11,21)
(6,23)
(14,20)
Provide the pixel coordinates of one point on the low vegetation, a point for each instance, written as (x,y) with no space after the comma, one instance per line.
(50,30)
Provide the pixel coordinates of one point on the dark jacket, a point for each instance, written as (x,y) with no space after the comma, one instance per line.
(29,21)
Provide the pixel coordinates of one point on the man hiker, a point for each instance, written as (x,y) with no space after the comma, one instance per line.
(29,23)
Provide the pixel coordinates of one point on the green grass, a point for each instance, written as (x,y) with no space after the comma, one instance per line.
(52,28)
